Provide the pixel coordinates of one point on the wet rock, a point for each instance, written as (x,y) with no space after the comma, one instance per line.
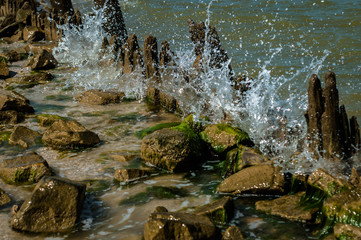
(151,65)
(95,185)
(241,157)
(69,135)
(43,61)
(54,206)
(46,120)
(216,55)
(219,211)
(8,19)
(32,79)
(4,136)
(166,57)
(11,117)
(223,137)
(288,207)
(24,137)
(160,209)
(4,70)
(232,233)
(325,182)
(114,24)
(168,225)
(29,168)
(33,34)
(23,15)
(132,174)
(10,100)
(100,97)
(132,55)
(346,231)
(4,198)
(344,207)
(37,48)
(13,56)
(355,135)
(260,179)
(355,179)
(177,149)
(9,30)
(62,6)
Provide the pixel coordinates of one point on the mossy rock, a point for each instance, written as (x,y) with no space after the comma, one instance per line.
(94,186)
(346,232)
(219,211)
(155,192)
(46,120)
(222,137)
(3,59)
(142,133)
(4,136)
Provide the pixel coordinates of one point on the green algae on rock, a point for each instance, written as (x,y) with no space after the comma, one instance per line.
(344,231)
(26,169)
(223,137)
(142,133)
(219,211)
(46,120)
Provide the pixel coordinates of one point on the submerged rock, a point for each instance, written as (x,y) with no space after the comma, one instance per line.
(4,198)
(13,56)
(288,207)
(29,168)
(219,211)
(346,231)
(223,137)
(168,225)
(69,135)
(177,149)
(54,206)
(128,175)
(11,117)
(232,233)
(260,179)
(24,137)
(43,61)
(100,97)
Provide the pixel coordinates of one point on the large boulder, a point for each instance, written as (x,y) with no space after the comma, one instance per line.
(222,137)
(29,168)
(54,206)
(174,149)
(219,211)
(258,179)
(24,137)
(43,61)
(176,225)
(288,207)
(4,198)
(64,134)
(100,97)
(46,120)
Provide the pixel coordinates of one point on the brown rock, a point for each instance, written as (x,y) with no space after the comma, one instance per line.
(355,135)
(219,211)
(37,48)
(13,56)
(54,206)
(10,100)
(100,97)
(33,34)
(151,68)
(346,231)
(128,175)
(166,225)
(4,198)
(24,137)
(29,168)
(9,30)
(288,207)
(4,70)
(11,116)
(258,179)
(232,233)
(31,79)
(355,178)
(43,61)
(132,55)
(69,135)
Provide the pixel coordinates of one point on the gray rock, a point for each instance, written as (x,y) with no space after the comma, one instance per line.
(185,226)
(64,134)
(288,207)
(24,137)
(54,206)
(258,179)
(29,168)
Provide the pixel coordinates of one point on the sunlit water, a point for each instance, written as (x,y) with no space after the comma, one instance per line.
(278,44)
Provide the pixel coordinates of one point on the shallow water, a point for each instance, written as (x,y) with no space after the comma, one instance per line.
(277,43)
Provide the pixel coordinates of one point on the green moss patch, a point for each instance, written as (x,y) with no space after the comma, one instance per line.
(142,133)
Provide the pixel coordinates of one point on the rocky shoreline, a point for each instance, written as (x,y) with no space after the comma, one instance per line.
(319,198)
